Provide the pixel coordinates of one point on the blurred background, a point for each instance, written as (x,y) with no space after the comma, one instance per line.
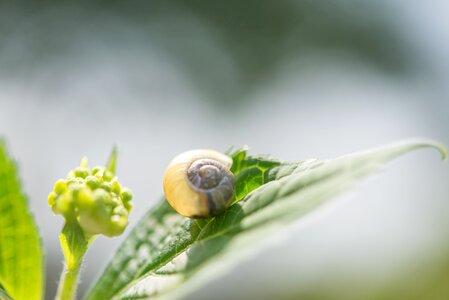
(294,79)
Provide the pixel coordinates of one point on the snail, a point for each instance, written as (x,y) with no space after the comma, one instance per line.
(199,183)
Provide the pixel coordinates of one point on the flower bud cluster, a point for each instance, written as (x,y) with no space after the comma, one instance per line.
(94,198)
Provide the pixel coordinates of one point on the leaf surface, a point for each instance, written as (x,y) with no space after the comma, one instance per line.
(167,255)
(21,256)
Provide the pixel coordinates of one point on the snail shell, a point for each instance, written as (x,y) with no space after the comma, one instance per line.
(199,184)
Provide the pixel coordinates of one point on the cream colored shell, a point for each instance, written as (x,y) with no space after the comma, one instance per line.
(179,192)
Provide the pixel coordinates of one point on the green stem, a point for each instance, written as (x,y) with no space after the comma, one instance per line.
(74,243)
(68,283)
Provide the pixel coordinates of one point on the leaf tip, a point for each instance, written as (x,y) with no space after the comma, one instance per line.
(112,161)
(440,147)
(429,143)
(444,152)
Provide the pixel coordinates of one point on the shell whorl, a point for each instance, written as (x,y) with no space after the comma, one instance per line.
(199,184)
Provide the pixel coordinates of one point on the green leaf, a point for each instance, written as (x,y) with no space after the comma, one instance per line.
(3,294)
(111,165)
(74,243)
(21,258)
(250,172)
(167,255)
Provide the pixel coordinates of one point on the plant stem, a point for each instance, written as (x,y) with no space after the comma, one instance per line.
(74,244)
(68,283)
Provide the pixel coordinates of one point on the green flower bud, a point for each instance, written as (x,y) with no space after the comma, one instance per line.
(63,204)
(106,186)
(84,199)
(51,199)
(102,197)
(60,186)
(81,172)
(96,170)
(93,198)
(107,176)
(126,195)
(129,206)
(116,187)
(92,182)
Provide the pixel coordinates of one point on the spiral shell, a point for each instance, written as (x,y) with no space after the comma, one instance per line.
(199,183)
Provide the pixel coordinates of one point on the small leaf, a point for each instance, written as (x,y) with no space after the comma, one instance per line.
(21,259)
(167,255)
(111,166)
(74,244)
(250,172)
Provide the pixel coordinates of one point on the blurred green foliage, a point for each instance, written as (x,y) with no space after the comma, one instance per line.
(421,280)
(226,49)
